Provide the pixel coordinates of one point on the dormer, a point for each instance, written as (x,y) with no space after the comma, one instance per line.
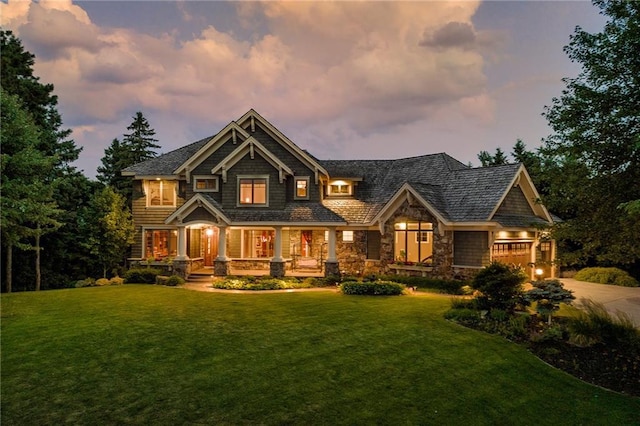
(341,187)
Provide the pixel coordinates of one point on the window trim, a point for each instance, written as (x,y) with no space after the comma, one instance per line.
(206,177)
(162,206)
(306,179)
(253,177)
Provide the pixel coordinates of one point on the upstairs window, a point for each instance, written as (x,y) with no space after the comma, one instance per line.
(205,184)
(252,191)
(339,188)
(302,188)
(161,193)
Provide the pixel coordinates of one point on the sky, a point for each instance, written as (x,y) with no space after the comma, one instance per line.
(343,80)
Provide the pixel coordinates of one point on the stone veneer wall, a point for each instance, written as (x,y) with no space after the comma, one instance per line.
(352,255)
(442,244)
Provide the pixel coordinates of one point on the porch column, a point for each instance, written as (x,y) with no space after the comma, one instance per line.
(331,266)
(222,243)
(331,255)
(221,263)
(277,255)
(277,264)
(182,243)
(181,263)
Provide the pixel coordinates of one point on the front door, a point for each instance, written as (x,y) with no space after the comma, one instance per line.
(210,245)
(306,241)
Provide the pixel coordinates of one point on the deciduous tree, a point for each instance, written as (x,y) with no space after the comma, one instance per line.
(593,156)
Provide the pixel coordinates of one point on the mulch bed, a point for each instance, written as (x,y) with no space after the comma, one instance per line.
(614,368)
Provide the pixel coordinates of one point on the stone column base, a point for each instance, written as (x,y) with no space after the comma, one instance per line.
(277,268)
(221,268)
(331,268)
(182,268)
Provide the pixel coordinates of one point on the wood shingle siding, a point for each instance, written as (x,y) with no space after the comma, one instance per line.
(515,203)
(470,248)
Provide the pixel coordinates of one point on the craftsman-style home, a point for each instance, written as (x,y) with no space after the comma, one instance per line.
(248,198)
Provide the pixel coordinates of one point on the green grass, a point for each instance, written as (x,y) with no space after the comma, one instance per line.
(138,354)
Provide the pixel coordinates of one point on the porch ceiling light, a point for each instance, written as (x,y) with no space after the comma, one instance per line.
(209,232)
(503,234)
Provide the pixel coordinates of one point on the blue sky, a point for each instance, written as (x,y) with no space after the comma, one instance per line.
(344,80)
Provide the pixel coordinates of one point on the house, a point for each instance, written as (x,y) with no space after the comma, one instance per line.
(248,198)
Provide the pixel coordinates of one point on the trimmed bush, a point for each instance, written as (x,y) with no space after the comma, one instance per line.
(141,275)
(612,276)
(87,282)
(102,281)
(259,283)
(116,280)
(443,286)
(372,288)
(171,281)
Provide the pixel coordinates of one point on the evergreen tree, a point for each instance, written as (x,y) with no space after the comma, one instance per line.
(27,207)
(140,142)
(496,159)
(66,259)
(592,160)
(136,146)
(116,157)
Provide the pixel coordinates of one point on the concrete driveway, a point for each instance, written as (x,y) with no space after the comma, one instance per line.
(613,297)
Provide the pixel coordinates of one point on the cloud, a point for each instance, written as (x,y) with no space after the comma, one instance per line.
(351,67)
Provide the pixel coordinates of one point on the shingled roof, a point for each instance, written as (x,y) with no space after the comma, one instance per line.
(458,192)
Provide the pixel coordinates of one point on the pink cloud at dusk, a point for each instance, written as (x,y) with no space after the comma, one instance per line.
(341,79)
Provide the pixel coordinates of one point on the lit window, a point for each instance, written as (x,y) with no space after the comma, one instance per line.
(161,193)
(160,243)
(339,188)
(253,191)
(302,188)
(205,184)
(347,236)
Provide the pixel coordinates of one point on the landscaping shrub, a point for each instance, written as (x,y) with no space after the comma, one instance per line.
(171,281)
(87,282)
(548,294)
(141,275)
(376,288)
(259,283)
(500,285)
(463,316)
(102,281)
(460,303)
(594,324)
(612,276)
(444,286)
(116,280)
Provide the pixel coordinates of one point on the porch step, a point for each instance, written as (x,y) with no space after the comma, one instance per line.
(199,278)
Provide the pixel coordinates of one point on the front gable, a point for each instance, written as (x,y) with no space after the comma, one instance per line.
(232,133)
(198,208)
(252,148)
(521,199)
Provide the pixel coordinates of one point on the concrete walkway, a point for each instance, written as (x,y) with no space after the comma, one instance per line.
(613,297)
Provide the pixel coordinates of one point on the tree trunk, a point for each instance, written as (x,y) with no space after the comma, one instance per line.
(37,261)
(8,272)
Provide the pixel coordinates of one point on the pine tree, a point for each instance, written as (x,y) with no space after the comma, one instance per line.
(140,142)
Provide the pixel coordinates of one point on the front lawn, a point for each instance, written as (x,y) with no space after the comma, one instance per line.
(139,354)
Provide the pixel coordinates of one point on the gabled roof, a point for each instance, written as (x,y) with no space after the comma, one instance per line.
(230,131)
(450,190)
(199,200)
(250,146)
(251,117)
